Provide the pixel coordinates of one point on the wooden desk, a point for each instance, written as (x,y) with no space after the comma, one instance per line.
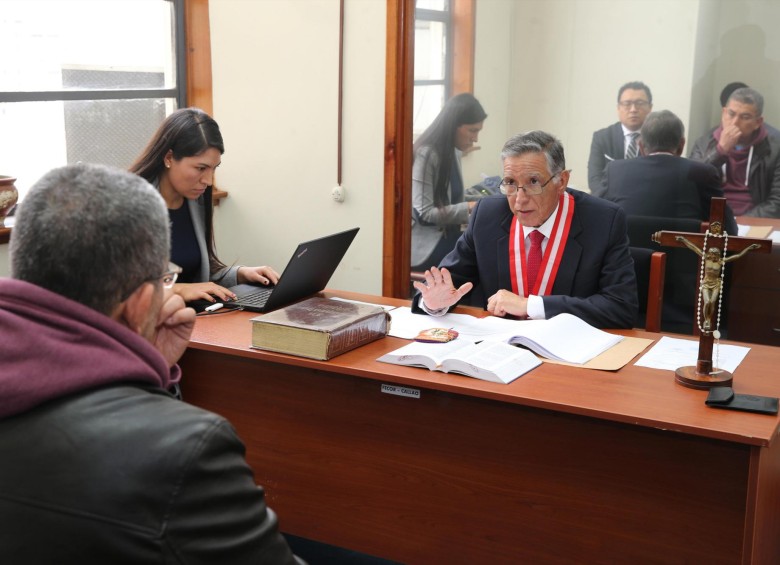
(563,465)
(754,296)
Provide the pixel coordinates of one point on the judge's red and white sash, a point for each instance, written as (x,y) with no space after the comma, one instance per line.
(552,254)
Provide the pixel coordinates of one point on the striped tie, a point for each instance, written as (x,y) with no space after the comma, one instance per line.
(631,150)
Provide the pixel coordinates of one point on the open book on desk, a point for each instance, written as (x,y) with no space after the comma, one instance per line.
(561,338)
(493,361)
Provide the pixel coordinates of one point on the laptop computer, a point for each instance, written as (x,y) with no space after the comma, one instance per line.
(308,271)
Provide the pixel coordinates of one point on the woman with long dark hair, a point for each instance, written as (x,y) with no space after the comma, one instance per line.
(180,161)
(438,205)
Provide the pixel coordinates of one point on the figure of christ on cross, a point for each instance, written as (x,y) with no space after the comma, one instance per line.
(712,247)
(711,281)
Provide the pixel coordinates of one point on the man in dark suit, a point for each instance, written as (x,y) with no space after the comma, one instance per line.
(620,140)
(660,182)
(540,250)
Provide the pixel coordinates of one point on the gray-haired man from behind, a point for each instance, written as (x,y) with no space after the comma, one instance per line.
(101,464)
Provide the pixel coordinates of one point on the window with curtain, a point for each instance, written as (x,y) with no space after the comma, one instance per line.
(85,80)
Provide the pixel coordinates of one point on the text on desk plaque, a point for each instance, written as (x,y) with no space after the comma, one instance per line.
(401,391)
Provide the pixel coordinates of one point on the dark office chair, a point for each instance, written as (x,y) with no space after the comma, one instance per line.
(650,267)
(682,269)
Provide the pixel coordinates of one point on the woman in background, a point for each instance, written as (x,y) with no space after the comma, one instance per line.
(438,206)
(180,161)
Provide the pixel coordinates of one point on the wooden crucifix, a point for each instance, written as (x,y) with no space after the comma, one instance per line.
(713,247)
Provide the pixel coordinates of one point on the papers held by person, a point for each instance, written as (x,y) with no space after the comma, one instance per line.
(493,361)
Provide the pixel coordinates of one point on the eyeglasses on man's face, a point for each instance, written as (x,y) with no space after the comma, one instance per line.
(638,104)
(533,187)
(169,277)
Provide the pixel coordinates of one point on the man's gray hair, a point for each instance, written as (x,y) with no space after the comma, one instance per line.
(537,142)
(749,96)
(662,131)
(90,233)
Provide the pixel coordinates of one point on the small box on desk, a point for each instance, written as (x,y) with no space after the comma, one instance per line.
(319,328)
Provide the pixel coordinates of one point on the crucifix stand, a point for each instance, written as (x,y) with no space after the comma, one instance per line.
(713,247)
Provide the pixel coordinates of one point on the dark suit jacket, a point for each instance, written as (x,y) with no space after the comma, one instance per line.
(595,280)
(666,186)
(608,145)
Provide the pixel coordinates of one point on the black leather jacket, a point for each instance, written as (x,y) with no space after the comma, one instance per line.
(127,474)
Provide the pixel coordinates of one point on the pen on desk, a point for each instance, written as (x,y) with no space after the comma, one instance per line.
(214,307)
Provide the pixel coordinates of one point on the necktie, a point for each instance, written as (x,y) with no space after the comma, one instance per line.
(534,257)
(631,150)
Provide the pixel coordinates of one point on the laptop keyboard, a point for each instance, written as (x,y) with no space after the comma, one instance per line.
(257,298)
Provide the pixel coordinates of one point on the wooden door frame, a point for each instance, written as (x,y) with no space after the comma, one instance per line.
(399,97)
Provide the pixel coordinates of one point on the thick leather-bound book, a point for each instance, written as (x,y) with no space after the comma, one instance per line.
(319,328)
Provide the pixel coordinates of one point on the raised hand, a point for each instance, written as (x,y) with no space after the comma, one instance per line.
(438,291)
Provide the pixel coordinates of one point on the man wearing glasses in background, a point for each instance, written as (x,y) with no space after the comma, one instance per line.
(540,250)
(621,139)
(746,154)
(100,464)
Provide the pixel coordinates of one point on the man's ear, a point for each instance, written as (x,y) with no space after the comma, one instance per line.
(134,310)
(565,174)
(680,147)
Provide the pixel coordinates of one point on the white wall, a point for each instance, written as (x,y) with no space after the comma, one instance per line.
(492,58)
(275,73)
(743,46)
(572,56)
(705,111)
